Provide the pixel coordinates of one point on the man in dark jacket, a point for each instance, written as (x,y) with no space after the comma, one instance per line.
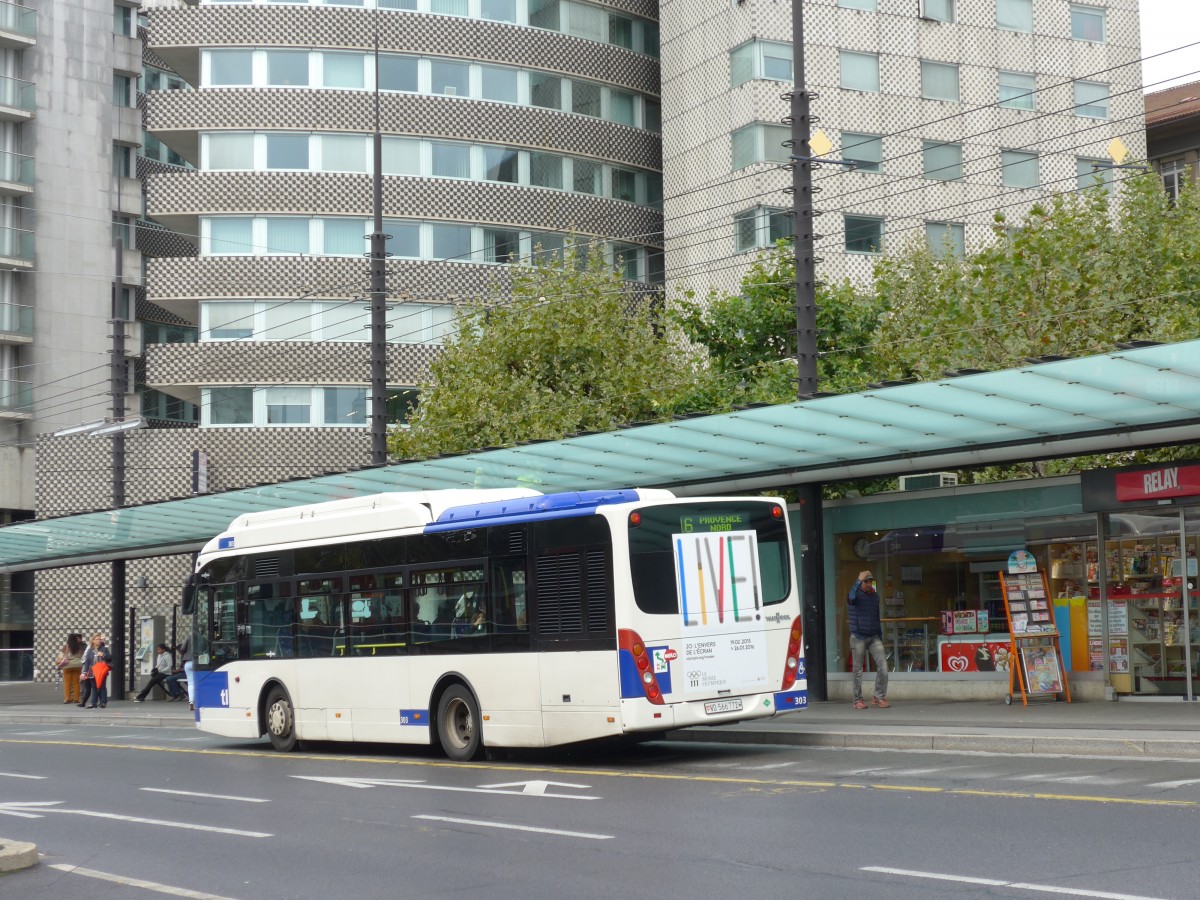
(866,636)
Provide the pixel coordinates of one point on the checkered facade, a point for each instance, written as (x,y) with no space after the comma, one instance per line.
(701,110)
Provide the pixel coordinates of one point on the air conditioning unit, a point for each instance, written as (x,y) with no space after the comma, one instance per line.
(927,481)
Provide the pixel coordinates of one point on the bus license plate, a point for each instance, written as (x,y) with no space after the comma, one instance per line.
(722,706)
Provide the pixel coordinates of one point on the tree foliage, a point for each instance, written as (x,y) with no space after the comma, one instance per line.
(1076,275)
(751,342)
(569,350)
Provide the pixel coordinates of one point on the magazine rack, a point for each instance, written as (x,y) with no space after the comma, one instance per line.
(1035,659)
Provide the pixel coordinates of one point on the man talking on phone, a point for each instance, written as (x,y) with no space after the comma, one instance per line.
(866,636)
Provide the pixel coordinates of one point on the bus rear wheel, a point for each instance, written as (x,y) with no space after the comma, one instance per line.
(281,721)
(458,724)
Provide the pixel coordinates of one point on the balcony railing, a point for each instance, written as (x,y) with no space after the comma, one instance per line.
(18,19)
(17,168)
(16,396)
(16,93)
(16,319)
(16,243)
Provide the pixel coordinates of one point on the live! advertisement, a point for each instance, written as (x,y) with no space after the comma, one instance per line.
(720,606)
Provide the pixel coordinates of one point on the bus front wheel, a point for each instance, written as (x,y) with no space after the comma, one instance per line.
(281,721)
(458,724)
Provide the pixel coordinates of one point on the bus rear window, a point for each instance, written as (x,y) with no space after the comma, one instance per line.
(653,559)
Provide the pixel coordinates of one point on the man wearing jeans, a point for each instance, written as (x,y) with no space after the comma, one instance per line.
(866,636)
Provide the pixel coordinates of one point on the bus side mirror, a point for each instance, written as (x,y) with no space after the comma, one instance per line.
(189,596)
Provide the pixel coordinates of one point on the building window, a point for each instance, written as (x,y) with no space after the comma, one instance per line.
(1091,99)
(124,21)
(939,81)
(762,226)
(288,405)
(1173,174)
(228,151)
(287,151)
(864,234)
(123,230)
(943,162)
(868,5)
(230,236)
(399,73)
(451,242)
(864,150)
(122,161)
(450,79)
(227,321)
(759,143)
(343,70)
(123,90)
(1018,169)
(498,10)
(229,406)
(938,10)
(1091,173)
(1017,90)
(501,164)
(287,68)
(501,85)
(345,406)
(859,71)
(287,236)
(1087,23)
(230,68)
(1014,15)
(768,60)
(946,238)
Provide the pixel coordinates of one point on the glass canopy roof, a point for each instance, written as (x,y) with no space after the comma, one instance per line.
(1119,400)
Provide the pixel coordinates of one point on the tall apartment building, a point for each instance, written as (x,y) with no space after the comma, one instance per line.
(507,125)
(69,130)
(950,110)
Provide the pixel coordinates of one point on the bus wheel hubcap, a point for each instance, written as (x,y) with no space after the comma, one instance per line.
(460,722)
(277,718)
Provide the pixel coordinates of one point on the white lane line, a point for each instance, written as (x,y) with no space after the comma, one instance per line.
(19,775)
(137,882)
(578,834)
(1016,885)
(42,733)
(210,796)
(1174,784)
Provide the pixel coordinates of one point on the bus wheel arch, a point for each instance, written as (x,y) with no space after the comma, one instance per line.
(458,725)
(277,717)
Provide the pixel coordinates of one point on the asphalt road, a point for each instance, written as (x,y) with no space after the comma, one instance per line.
(143,812)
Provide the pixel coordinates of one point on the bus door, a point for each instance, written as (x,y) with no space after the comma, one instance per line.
(226,624)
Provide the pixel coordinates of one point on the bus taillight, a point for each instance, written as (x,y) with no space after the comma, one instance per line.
(629,643)
(793,654)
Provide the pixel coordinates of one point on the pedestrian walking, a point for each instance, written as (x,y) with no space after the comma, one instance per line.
(866,636)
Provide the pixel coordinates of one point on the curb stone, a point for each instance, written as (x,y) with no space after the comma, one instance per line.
(15,855)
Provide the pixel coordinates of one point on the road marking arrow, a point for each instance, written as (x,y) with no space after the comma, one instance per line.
(25,810)
(527,788)
(537,787)
(36,809)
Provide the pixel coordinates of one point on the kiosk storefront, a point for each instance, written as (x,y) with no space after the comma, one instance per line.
(1141,587)
(1119,548)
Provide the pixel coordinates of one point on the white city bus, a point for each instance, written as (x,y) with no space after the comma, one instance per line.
(496,618)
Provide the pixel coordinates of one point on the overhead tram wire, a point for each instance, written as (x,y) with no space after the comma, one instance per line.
(722,226)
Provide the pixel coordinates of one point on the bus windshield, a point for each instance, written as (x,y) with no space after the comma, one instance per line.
(652,554)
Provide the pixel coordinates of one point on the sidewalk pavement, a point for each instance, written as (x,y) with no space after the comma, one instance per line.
(1127,728)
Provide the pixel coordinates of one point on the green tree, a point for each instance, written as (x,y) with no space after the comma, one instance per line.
(750,336)
(1074,276)
(571,349)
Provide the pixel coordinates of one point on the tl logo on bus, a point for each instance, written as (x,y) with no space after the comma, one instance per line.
(717,576)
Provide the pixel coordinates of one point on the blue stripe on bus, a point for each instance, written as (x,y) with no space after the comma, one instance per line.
(418,717)
(530,509)
(785,701)
(212,690)
(631,680)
